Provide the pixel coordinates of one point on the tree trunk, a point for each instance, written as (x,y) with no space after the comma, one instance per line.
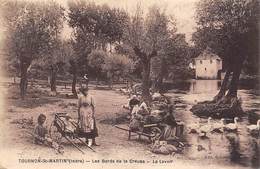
(146,62)
(232,92)
(24,80)
(231,96)
(146,81)
(110,79)
(53,77)
(223,87)
(74,79)
(159,79)
(97,81)
(74,82)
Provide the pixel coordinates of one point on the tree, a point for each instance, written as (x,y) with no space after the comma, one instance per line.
(146,36)
(31,32)
(96,61)
(66,62)
(116,66)
(113,65)
(230,28)
(54,63)
(173,60)
(94,27)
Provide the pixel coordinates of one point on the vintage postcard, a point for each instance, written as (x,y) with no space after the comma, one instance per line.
(129,84)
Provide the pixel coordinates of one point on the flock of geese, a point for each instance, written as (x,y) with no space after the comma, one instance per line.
(221,127)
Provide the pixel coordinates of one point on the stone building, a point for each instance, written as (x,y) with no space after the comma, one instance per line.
(208,65)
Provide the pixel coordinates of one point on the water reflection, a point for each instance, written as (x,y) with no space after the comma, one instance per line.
(243,152)
(234,148)
(202,86)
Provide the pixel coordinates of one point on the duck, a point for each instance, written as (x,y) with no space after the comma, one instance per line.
(219,127)
(203,130)
(254,129)
(232,127)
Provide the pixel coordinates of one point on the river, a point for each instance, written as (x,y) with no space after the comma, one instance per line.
(232,148)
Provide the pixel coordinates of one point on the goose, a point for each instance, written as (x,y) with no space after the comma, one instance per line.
(254,129)
(232,127)
(203,130)
(219,127)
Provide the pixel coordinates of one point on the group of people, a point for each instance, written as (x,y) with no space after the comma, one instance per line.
(140,112)
(160,111)
(86,124)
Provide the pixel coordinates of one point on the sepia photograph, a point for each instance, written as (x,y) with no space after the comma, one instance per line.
(129,84)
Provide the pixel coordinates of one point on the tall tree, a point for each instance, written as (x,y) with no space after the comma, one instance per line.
(146,35)
(96,61)
(173,60)
(31,32)
(116,66)
(94,27)
(231,29)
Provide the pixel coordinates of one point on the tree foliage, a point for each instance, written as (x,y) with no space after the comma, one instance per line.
(32,28)
(94,27)
(110,65)
(231,29)
(173,59)
(153,38)
(32,31)
(117,65)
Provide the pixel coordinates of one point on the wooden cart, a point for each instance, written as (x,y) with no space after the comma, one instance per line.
(59,129)
(154,131)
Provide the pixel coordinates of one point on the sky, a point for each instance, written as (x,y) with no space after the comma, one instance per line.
(182,10)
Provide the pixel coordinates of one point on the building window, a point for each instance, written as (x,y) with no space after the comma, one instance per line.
(211,61)
(200,61)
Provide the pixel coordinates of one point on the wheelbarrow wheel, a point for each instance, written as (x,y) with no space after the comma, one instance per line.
(155,133)
(54,133)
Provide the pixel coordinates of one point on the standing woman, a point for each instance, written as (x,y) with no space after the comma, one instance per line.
(86,116)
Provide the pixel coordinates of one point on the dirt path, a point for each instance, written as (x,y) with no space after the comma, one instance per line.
(18,144)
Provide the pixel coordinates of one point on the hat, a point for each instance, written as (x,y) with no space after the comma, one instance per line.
(133,97)
(86,76)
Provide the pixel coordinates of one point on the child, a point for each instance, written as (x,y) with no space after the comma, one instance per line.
(40,131)
(40,135)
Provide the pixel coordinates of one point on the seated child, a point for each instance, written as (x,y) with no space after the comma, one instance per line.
(40,131)
(40,135)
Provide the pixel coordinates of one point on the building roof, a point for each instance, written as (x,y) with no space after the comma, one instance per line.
(207,54)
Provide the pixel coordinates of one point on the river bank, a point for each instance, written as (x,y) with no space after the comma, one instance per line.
(18,144)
